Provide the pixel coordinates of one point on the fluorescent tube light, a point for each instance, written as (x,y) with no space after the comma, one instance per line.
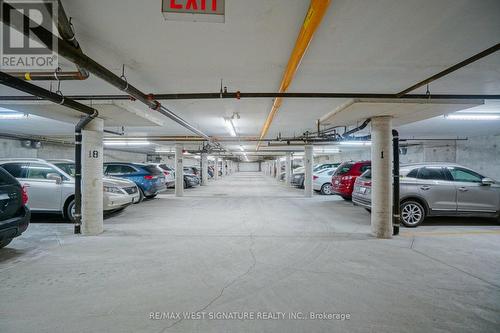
(469,116)
(12,115)
(127,143)
(355,143)
(230,126)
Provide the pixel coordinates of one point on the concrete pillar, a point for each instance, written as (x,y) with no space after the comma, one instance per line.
(224,171)
(92,173)
(179,170)
(216,169)
(308,170)
(277,168)
(204,169)
(288,169)
(381,217)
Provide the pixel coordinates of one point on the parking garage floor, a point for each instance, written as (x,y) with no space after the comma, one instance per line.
(247,244)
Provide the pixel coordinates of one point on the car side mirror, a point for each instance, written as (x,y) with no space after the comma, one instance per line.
(488,181)
(55,176)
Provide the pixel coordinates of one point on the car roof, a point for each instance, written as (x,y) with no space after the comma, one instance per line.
(424,164)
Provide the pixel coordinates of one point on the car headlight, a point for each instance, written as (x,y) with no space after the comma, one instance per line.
(112,189)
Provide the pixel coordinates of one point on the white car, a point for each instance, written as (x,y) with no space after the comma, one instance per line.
(169,174)
(40,178)
(322,181)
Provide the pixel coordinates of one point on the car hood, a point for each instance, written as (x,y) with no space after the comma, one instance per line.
(119,182)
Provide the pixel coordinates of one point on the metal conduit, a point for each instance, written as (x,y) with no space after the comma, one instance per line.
(68,51)
(90,114)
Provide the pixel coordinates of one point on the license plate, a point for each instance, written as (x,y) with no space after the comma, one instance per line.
(362,190)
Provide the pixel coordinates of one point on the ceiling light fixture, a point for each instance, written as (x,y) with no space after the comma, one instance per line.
(355,143)
(12,116)
(470,116)
(230,126)
(127,143)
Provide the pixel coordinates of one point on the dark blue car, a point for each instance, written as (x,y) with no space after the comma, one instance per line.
(148,177)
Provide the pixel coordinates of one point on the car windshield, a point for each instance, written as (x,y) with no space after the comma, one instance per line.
(67,167)
(367,175)
(344,168)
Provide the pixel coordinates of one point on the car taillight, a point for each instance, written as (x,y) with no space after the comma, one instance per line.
(367,183)
(346,178)
(24,195)
(315,177)
(166,173)
(148,177)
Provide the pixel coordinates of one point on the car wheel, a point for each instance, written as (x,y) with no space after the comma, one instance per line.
(141,196)
(185,184)
(151,196)
(70,211)
(412,214)
(5,242)
(346,198)
(326,189)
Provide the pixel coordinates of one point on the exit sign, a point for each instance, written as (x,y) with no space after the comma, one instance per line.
(194,10)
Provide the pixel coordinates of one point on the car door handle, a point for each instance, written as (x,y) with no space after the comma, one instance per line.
(463,189)
(425,188)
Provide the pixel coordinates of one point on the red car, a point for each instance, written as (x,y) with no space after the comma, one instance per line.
(343,179)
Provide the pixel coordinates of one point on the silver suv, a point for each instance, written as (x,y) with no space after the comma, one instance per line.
(51,186)
(437,189)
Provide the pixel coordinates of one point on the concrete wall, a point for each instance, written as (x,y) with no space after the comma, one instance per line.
(481,153)
(12,149)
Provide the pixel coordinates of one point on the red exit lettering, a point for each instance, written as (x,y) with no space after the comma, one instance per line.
(193,5)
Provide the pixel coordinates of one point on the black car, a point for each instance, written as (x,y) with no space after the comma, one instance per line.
(298,179)
(14,214)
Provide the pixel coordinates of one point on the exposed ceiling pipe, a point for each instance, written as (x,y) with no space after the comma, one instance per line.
(68,51)
(67,32)
(241,95)
(90,114)
(314,16)
(451,69)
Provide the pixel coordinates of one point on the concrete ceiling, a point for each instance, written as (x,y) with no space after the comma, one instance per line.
(380,46)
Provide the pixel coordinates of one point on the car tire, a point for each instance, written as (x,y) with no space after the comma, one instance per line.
(185,184)
(70,211)
(141,196)
(412,213)
(5,242)
(151,196)
(326,189)
(346,198)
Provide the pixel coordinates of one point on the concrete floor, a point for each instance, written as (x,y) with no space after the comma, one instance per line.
(250,245)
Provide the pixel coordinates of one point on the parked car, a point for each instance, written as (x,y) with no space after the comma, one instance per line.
(41,177)
(149,178)
(191,180)
(118,193)
(169,175)
(298,179)
(323,166)
(344,177)
(210,171)
(438,189)
(322,181)
(192,171)
(14,213)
